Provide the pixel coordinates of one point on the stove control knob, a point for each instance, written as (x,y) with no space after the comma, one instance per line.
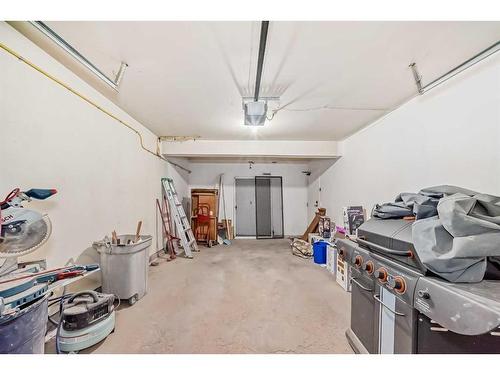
(424,294)
(397,283)
(342,253)
(381,275)
(358,261)
(368,267)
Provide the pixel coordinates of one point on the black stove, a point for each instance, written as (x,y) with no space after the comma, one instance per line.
(398,306)
(392,239)
(382,313)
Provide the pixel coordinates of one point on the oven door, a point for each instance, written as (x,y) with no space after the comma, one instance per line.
(434,339)
(396,323)
(362,311)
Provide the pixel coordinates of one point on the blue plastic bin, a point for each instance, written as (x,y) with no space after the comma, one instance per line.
(319,252)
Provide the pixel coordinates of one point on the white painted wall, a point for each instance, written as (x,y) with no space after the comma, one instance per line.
(205,175)
(52,139)
(180,176)
(450,135)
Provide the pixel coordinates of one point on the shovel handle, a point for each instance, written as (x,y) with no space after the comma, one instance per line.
(138,231)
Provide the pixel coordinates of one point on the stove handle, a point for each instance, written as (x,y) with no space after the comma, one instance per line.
(442,329)
(370,245)
(376,297)
(360,285)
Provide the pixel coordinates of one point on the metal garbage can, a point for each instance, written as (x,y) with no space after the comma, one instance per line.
(124,267)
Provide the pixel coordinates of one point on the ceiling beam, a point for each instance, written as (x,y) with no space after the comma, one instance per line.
(233,148)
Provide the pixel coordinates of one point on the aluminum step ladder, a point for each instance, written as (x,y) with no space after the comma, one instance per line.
(168,236)
(185,233)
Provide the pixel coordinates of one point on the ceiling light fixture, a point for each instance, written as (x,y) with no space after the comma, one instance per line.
(255,113)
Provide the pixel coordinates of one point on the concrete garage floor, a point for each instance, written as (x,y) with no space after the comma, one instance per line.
(251,297)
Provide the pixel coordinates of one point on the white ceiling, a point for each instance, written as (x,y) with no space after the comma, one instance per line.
(187,78)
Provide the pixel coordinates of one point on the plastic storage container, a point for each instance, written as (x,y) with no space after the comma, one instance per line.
(24,332)
(124,268)
(319,252)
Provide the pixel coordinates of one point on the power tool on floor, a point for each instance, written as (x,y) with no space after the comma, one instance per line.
(22,230)
(23,301)
(87,318)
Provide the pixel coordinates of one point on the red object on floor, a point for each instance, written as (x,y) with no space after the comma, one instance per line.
(202,232)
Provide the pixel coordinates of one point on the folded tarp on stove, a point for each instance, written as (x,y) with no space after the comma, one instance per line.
(421,205)
(455,231)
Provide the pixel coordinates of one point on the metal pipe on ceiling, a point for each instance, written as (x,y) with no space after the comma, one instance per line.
(179,166)
(260,62)
(57,39)
(453,72)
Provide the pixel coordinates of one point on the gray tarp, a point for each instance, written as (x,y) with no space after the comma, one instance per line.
(455,231)
(421,205)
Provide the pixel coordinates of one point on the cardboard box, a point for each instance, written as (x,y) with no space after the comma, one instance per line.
(343,275)
(354,216)
(331,259)
(325,227)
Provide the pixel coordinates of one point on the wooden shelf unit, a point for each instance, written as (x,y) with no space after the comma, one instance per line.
(211,198)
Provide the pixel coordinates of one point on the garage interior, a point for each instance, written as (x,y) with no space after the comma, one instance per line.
(253,187)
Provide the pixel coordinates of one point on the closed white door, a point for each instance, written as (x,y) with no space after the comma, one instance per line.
(245,206)
(313,198)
